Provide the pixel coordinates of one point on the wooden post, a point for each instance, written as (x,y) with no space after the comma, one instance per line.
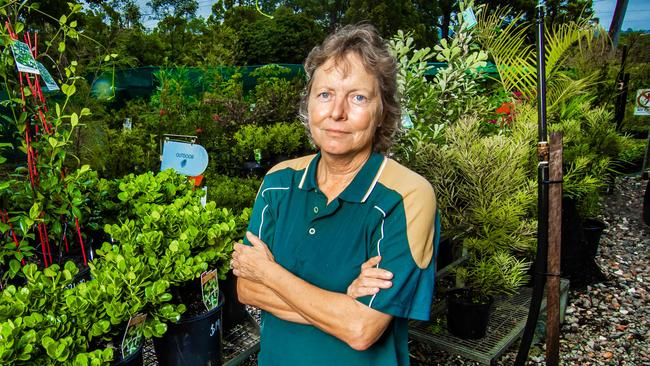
(554,250)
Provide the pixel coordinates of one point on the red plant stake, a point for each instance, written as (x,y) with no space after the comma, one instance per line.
(47,242)
(5,219)
(81,242)
(43,248)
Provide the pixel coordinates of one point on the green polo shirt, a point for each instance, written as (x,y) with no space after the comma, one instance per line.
(386,210)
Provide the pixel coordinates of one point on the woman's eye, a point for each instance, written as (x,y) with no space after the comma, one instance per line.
(359,98)
(323,95)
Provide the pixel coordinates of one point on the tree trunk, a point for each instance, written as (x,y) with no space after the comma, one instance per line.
(617,22)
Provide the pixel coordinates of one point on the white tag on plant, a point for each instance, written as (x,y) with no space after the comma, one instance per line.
(210,289)
(132,339)
(469,18)
(24,59)
(50,84)
(185,158)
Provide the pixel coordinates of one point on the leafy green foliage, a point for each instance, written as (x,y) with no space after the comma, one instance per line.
(454,90)
(500,274)
(591,145)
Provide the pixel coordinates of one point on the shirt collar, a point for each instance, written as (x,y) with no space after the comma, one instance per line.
(360,187)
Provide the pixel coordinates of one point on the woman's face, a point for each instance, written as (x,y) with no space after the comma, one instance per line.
(344,107)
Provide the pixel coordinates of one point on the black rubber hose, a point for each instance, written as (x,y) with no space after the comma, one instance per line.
(542,201)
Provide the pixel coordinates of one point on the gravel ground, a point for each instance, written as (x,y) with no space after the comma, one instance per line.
(607,322)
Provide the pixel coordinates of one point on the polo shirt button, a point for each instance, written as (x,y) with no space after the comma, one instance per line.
(312,231)
(316,209)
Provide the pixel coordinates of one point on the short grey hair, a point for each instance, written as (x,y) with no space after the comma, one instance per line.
(364,41)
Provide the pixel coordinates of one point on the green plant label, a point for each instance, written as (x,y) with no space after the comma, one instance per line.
(184,157)
(50,84)
(469,18)
(406,120)
(24,59)
(133,335)
(210,289)
(258,155)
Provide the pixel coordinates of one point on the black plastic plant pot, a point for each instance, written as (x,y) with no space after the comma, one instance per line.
(467,318)
(196,341)
(234,312)
(134,359)
(592,229)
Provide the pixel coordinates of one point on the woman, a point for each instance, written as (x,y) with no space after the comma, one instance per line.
(339,252)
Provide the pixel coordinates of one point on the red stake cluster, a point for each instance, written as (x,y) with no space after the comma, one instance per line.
(32,157)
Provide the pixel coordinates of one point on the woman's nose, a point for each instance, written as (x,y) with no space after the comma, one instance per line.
(339,109)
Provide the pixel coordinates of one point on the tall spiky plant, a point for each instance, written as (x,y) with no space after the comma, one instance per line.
(504,35)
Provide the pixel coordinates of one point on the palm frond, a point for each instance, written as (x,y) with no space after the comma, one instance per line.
(561,88)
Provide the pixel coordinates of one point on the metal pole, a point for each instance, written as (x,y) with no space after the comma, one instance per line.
(542,197)
(554,250)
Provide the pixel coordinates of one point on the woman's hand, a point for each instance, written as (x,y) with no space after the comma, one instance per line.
(250,262)
(370,280)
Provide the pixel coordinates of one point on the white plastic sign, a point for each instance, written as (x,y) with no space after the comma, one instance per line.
(50,84)
(642,103)
(24,59)
(469,18)
(185,158)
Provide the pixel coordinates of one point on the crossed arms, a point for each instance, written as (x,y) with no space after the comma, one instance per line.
(265,284)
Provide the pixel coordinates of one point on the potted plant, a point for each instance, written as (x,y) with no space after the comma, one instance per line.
(479,282)
(165,223)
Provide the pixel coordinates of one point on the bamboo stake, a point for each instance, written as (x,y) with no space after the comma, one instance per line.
(554,250)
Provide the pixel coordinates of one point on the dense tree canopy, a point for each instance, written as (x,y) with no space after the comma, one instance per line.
(247,32)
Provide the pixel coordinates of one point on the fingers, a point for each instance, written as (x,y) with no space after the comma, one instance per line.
(254,239)
(371,262)
(376,273)
(374,283)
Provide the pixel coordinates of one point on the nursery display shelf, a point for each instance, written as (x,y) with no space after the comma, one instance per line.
(506,325)
(239,344)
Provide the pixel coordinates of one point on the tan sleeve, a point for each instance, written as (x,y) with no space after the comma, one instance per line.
(419,208)
(295,164)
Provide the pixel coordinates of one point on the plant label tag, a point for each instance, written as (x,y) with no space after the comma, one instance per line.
(469,18)
(50,84)
(642,103)
(204,199)
(258,155)
(127,125)
(133,335)
(210,289)
(406,120)
(24,59)
(184,157)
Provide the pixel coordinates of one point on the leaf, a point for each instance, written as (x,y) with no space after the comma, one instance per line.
(61,46)
(85,112)
(68,89)
(73,23)
(35,211)
(107,58)
(53,142)
(74,120)
(14,266)
(63,19)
